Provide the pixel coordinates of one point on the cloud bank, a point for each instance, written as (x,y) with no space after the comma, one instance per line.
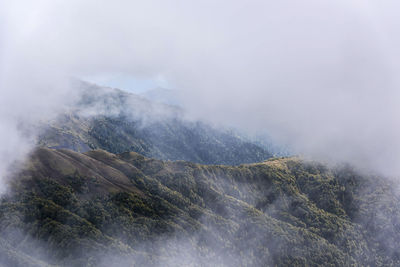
(319,76)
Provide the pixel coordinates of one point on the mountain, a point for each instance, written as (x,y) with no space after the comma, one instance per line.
(118,180)
(102,209)
(116,121)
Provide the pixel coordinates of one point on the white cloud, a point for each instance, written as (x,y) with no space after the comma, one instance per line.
(321,76)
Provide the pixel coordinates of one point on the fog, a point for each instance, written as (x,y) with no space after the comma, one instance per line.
(321,77)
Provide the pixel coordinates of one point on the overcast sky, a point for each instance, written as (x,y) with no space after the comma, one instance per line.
(322,76)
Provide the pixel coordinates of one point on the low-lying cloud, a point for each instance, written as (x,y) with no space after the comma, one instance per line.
(319,76)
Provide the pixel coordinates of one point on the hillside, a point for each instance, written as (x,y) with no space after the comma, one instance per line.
(116,121)
(104,209)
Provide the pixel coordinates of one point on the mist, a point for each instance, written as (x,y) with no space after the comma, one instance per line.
(320,77)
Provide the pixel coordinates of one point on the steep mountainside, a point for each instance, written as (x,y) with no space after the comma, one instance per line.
(116,121)
(102,209)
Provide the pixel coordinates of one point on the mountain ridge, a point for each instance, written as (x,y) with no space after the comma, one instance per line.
(117,121)
(283,211)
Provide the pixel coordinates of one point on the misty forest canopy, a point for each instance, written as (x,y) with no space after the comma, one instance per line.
(117,180)
(103,209)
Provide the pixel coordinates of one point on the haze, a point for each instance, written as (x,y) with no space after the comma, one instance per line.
(319,76)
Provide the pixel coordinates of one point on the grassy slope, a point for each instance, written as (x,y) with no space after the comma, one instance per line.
(146,211)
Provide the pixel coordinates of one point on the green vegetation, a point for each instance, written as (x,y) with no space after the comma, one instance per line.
(99,208)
